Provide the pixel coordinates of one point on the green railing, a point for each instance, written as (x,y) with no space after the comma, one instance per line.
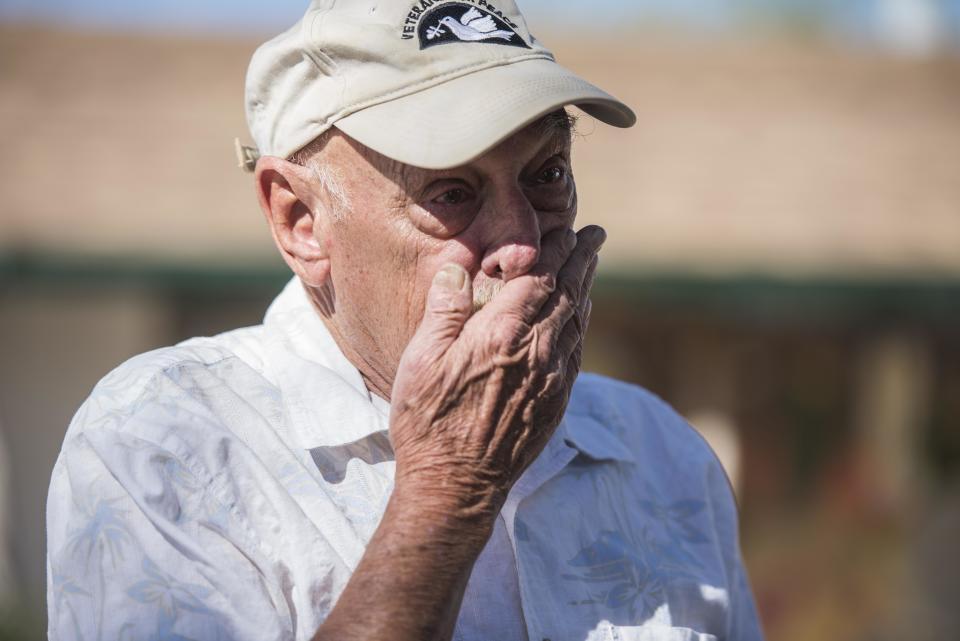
(757,297)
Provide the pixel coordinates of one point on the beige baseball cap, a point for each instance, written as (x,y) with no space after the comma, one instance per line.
(430,83)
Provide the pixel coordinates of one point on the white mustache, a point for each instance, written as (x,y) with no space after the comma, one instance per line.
(484,291)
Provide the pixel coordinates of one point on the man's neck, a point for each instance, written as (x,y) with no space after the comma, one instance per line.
(377,378)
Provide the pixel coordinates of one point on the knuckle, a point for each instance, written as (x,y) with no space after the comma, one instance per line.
(547,282)
(414,359)
(541,285)
(544,355)
(508,334)
(569,282)
(559,247)
(565,308)
(569,290)
(580,319)
(591,272)
(577,355)
(553,383)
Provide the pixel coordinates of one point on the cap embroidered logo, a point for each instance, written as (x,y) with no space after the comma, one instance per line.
(459,22)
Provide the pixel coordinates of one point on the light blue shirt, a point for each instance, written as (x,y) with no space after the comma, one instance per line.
(226,488)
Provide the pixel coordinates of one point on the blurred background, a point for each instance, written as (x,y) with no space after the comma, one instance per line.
(783,263)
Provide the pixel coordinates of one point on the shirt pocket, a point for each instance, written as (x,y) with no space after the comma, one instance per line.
(655,633)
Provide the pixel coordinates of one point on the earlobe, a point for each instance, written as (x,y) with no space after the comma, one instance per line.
(287,202)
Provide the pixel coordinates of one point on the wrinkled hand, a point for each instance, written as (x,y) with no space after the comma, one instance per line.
(476,398)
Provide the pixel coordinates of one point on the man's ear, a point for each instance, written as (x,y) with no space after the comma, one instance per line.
(287,200)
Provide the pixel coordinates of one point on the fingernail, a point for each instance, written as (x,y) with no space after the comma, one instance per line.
(601,235)
(451,277)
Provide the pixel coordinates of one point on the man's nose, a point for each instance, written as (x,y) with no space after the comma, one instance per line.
(514,245)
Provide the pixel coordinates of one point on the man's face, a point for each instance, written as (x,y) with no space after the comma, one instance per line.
(401,224)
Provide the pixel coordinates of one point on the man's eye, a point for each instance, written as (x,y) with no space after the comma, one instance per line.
(551,175)
(452,197)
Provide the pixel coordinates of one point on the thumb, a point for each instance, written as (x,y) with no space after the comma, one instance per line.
(449,303)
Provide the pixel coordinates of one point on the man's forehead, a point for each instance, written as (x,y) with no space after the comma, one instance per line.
(551,134)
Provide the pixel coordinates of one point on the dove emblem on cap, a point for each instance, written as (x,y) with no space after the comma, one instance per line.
(473,26)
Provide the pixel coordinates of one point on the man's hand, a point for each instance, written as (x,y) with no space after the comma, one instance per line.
(476,398)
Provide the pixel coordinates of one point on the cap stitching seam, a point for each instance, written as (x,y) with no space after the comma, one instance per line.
(320,58)
(436,80)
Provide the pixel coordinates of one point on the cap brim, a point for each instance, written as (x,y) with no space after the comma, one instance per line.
(452,123)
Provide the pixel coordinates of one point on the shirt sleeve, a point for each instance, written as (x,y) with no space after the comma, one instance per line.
(744,622)
(142,546)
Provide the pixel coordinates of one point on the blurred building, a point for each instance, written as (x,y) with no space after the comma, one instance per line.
(783,266)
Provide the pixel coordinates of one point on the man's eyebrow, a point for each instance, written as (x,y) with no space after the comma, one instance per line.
(413,179)
(558,121)
(556,131)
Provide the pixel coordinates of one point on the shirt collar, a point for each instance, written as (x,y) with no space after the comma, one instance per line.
(295,316)
(324,394)
(595,439)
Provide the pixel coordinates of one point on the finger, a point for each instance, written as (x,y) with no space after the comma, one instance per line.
(523,296)
(449,302)
(569,352)
(569,293)
(555,251)
(575,328)
(567,342)
(578,270)
(580,282)
(573,367)
(563,372)
(574,358)
(587,285)
(585,290)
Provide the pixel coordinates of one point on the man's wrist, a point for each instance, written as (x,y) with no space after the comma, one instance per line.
(464,513)
(415,568)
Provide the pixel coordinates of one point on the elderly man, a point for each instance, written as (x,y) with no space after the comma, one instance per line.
(400,451)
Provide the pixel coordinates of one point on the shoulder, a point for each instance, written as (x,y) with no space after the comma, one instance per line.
(165,424)
(156,486)
(207,351)
(176,383)
(644,422)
